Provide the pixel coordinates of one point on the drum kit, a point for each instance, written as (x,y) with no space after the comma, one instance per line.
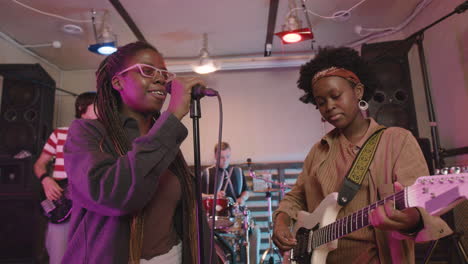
(235,228)
(232,224)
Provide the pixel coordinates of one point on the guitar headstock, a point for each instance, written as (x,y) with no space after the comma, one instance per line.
(438,193)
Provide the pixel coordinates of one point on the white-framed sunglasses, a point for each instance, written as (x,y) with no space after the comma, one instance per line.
(150,71)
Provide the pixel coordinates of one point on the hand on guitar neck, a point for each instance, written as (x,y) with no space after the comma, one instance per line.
(317,233)
(384,217)
(387,217)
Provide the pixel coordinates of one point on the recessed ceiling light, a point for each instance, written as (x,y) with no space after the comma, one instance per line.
(72,29)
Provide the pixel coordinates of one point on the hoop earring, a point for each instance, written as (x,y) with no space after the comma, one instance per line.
(363,105)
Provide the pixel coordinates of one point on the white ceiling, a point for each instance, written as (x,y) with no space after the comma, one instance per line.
(236,29)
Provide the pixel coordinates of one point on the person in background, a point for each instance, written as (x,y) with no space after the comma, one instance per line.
(56,236)
(339,82)
(231,180)
(231,183)
(132,190)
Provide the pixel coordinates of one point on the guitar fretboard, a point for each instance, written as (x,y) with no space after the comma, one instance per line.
(353,221)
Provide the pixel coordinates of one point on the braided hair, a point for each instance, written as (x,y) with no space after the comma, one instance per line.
(108,104)
(342,57)
(108,99)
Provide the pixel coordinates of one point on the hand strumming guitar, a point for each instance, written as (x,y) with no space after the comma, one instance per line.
(51,189)
(282,235)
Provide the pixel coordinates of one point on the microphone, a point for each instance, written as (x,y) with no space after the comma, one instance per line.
(198,91)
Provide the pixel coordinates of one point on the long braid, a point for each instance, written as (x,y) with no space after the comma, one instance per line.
(180,167)
(108,106)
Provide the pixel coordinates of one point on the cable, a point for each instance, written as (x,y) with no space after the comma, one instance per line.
(50,14)
(215,183)
(390,30)
(341,13)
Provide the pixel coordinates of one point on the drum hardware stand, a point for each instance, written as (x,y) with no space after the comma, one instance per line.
(272,249)
(247,240)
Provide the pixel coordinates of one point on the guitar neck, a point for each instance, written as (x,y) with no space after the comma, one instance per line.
(436,194)
(353,222)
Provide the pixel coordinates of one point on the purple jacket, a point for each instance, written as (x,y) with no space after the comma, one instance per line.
(106,188)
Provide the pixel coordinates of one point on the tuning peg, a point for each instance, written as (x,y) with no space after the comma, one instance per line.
(444,171)
(455,170)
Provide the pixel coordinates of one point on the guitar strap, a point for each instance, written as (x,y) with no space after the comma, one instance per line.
(357,172)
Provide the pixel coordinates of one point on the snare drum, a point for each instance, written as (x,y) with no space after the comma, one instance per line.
(241,221)
(223,215)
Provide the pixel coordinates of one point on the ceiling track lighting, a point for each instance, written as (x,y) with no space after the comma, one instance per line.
(293,32)
(205,64)
(106,42)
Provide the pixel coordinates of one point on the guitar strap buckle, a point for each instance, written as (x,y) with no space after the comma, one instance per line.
(359,168)
(347,192)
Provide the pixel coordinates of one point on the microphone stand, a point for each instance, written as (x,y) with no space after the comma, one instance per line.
(418,37)
(195,114)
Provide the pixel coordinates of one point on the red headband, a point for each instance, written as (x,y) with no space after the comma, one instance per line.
(334,71)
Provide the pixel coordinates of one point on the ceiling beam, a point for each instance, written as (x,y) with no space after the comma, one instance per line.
(126,17)
(272,12)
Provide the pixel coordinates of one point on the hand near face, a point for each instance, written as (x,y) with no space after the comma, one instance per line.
(386,217)
(181,95)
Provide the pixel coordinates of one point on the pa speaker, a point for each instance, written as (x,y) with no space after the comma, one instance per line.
(27,107)
(392,103)
(17,176)
(19,226)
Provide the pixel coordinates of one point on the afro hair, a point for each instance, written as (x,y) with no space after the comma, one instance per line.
(341,57)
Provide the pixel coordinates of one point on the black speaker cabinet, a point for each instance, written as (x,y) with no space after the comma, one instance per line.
(19,228)
(460,214)
(21,223)
(17,176)
(392,103)
(27,108)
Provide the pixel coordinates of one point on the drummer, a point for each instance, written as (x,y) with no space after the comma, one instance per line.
(231,183)
(231,180)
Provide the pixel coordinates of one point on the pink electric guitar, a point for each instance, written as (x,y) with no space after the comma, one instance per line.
(317,232)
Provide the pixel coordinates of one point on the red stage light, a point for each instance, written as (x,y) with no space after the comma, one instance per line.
(295,36)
